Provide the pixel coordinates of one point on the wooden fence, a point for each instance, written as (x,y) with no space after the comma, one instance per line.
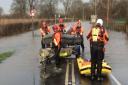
(118,27)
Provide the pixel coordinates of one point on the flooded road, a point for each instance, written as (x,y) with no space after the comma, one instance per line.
(23,67)
(117,56)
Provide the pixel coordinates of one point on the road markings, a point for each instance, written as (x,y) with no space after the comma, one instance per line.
(67,73)
(114,78)
(73,75)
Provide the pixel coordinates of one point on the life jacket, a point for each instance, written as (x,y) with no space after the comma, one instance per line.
(56,38)
(97,34)
(72,31)
(79,31)
(44,30)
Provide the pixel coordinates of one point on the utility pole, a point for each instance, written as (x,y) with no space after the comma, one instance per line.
(32,26)
(108,12)
(32,14)
(55,18)
(83,13)
(95,6)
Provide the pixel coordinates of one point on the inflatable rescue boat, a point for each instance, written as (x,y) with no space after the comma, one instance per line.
(66,39)
(85,67)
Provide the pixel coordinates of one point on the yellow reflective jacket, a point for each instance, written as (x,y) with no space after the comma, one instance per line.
(95,33)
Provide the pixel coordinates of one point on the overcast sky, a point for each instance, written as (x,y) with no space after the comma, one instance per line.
(5,4)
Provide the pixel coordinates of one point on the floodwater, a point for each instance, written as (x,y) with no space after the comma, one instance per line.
(23,67)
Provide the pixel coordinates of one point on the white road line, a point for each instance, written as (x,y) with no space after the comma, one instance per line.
(114,78)
(67,73)
(73,74)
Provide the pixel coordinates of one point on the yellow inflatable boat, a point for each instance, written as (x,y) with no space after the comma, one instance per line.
(85,67)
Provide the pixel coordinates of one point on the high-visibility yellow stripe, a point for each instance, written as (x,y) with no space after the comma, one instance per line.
(73,75)
(95,32)
(55,42)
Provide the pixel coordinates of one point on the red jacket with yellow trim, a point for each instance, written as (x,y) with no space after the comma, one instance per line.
(102,36)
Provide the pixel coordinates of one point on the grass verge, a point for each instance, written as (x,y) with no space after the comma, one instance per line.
(5,55)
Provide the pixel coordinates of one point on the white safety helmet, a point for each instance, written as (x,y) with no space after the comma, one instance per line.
(100,21)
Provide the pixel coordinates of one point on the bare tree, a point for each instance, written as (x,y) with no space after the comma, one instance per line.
(67,6)
(18,8)
(117,8)
(77,9)
(120,9)
(88,10)
(47,8)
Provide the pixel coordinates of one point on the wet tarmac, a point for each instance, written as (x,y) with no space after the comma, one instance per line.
(23,68)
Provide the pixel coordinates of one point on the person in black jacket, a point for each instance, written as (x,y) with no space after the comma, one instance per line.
(98,38)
